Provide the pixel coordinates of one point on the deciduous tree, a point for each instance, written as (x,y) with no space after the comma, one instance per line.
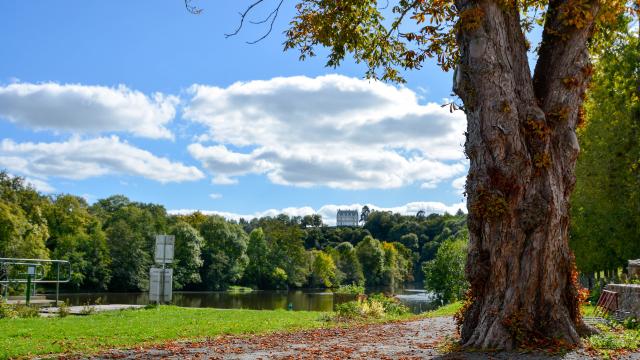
(520,140)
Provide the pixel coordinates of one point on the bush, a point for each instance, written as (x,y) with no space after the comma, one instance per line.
(6,310)
(25,311)
(349,310)
(595,292)
(631,323)
(376,306)
(63,309)
(352,289)
(373,308)
(392,306)
(87,309)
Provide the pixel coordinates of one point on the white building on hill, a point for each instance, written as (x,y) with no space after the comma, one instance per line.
(347,218)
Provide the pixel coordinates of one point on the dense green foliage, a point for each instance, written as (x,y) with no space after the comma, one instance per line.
(110,244)
(444,275)
(605,230)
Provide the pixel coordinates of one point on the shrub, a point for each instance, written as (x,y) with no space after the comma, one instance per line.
(25,311)
(631,323)
(352,289)
(87,309)
(376,306)
(595,292)
(349,310)
(63,309)
(392,306)
(6,310)
(373,308)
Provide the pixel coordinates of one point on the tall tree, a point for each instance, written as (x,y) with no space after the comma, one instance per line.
(521,139)
(259,270)
(287,251)
(348,264)
(130,258)
(323,270)
(444,275)
(364,214)
(23,228)
(606,203)
(187,258)
(224,252)
(371,256)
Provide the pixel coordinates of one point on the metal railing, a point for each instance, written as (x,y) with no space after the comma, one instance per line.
(18,271)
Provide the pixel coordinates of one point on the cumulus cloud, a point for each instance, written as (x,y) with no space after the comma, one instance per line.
(328,212)
(81,109)
(331,131)
(215,196)
(81,159)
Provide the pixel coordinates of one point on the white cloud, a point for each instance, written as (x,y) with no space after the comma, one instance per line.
(330,131)
(328,212)
(459,184)
(82,109)
(40,185)
(81,159)
(215,196)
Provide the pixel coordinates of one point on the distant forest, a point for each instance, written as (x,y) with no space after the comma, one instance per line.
(110,244)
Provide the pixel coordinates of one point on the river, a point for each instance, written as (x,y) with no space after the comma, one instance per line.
(305,299)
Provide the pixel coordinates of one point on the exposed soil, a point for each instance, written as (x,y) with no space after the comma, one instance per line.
(417,339)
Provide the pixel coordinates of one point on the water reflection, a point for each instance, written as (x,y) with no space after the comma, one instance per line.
(308,299)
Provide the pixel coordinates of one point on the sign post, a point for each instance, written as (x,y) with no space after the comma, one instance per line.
(31,272)
(161,279)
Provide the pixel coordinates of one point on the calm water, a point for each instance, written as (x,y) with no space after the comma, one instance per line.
(308,299)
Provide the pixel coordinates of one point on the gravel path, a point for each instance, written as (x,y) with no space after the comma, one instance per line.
(418,339)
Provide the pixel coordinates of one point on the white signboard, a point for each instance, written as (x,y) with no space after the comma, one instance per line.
(155,285)
(164,249)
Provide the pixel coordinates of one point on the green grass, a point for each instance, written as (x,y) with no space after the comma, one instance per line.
(121,329)
(447,310)
(451,309)
(587,310)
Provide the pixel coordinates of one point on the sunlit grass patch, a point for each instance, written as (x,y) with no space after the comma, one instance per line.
(128,328)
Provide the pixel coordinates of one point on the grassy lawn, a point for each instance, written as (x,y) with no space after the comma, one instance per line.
(447,310)
(451,309)
(87,334)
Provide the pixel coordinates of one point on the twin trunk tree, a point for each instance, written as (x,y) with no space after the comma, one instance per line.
(521,139)
(522,146)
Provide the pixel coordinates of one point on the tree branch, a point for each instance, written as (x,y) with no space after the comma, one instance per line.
(242,16)
(403,13)
(271,18)
(192,8)
(563,47)
(273,15)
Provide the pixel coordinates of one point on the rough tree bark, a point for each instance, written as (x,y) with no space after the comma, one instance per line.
(522,147)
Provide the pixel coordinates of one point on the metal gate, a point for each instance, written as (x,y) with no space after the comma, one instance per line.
(32,272)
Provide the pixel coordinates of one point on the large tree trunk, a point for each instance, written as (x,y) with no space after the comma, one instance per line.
(522,147)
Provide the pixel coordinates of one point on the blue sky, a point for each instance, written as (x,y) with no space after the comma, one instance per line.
(144,99)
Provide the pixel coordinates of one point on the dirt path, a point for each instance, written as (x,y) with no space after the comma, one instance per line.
(418,339)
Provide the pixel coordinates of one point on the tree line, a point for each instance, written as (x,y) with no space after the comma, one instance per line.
(110,244)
